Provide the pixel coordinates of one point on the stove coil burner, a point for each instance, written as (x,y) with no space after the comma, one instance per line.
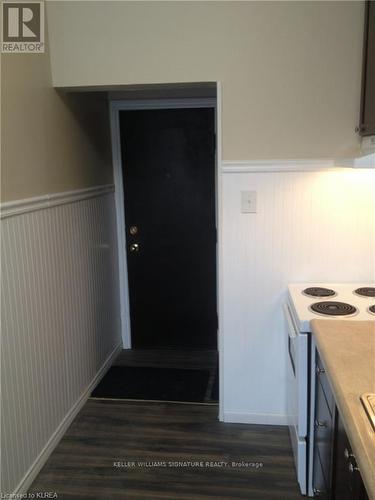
(366,291)
(371,309)
(332,308)
(317,291)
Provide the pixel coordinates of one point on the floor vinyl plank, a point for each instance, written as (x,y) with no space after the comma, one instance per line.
(105,432)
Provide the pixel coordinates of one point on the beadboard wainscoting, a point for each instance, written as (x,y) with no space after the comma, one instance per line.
(312,224)
(60,319)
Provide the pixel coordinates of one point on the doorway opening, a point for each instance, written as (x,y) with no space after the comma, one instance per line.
(165,162)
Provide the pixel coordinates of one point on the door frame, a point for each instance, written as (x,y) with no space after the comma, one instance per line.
(115,106)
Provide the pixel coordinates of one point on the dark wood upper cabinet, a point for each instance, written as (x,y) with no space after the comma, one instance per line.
(367,117)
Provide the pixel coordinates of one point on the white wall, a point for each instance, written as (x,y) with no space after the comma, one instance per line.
(60,320)
(290,71)
(310,226)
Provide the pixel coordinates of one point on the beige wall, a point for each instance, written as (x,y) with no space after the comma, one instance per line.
(290,71)
(50,142)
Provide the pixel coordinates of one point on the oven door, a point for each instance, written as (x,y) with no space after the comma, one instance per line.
(297,366)
(297,384)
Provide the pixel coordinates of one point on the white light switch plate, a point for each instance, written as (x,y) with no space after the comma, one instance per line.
(248,202)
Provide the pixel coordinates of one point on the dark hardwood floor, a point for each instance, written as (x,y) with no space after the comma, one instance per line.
(106,432)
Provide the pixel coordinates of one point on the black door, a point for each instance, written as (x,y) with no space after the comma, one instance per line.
(169,191)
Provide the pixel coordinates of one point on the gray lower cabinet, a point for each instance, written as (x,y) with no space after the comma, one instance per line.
(336,474)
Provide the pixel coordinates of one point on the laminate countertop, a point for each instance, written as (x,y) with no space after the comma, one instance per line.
(347,349)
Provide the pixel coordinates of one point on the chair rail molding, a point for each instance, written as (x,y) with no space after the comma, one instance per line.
(26,205)
(257,166)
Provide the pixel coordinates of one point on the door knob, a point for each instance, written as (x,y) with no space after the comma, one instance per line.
(318,493)
(134,247)
(320,423)
(353,467)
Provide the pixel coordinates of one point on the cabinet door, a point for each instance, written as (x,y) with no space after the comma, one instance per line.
(347,481)
(323,432)
(320,487)
(367,125)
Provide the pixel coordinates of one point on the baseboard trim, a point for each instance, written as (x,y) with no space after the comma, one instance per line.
(17,207)
(43,456)
(238,417)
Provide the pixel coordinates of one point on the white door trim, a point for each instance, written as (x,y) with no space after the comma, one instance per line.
(204,102)
(115,107)
(219,248)
(120,224)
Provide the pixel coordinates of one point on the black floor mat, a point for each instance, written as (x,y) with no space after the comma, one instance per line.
(146,383)
(215,387)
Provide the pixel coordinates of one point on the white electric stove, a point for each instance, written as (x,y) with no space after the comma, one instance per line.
(348,294)
(307,301)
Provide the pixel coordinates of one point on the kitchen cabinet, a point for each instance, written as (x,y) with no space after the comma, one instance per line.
(367,115)
(324,421)
(336,474)
(348,484)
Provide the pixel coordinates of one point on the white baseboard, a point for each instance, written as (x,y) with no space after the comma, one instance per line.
(42,458)
(239,417)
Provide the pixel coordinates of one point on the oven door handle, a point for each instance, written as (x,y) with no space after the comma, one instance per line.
(291,328)
(292,335)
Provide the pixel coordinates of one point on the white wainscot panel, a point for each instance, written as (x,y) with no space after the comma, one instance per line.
(60,320)
(309,227)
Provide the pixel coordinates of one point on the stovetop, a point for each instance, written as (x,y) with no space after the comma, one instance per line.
(349,301)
